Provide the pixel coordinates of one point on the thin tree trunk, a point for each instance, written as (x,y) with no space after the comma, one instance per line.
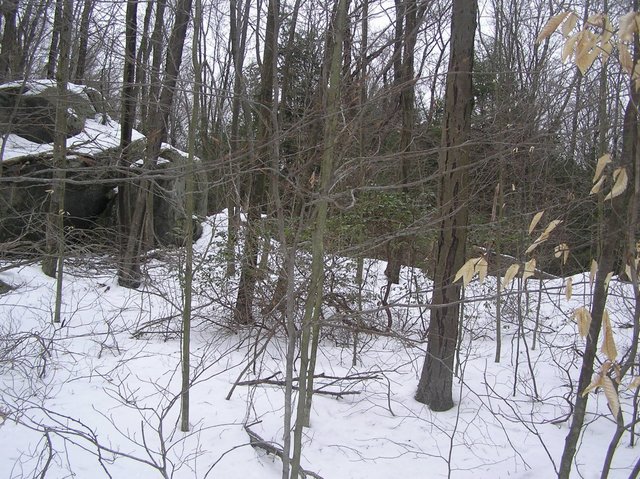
(311,325)
(189,211)
(128,272)
(614,237)
(55,39)
(81,64)
(54,264)
(243,312)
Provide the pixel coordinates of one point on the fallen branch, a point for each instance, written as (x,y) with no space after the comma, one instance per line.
(272,448)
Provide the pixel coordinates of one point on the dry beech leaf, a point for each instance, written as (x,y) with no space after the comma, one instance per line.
(583,318)
(626,61)
(551,26)
(607,49)
(597,187)
(586,59)
(569,47)
(635,383)
(569,24)
(562,251)
(627,27)
(603,161)
(597,380)
(612,395)
(620,183)
(469,269)
(536,219)
(608,347)
(607,280)
(529,269)
(551,226)
(510,274)
(466,272)
(593,271)
(568,291)
(482,267)
(595,19)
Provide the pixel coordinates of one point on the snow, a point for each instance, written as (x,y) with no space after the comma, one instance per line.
(99,134)
(95,138)
(95,379)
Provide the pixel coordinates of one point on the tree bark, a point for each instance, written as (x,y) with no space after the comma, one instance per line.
(243,312)
(436,381)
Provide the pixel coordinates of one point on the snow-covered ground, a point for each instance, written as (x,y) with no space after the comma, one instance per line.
(97,395)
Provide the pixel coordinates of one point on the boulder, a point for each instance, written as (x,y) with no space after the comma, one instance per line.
(27,125)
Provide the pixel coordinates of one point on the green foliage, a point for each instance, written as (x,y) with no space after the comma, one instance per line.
(375,214)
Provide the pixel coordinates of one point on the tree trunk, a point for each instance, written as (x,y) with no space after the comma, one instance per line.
(9,55)
(54,261)
(55,40)
(81,62)
(436,381)
(311,325)
(614,237)
(130,275)
(243,313)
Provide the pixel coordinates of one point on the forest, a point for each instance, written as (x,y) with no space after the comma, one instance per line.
(319,239)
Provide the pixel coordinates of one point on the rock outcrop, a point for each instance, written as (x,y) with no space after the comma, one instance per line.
(27,126)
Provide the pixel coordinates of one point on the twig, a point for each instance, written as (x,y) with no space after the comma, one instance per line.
(273,448)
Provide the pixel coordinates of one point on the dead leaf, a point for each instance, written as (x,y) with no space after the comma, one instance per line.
(608,347)
(612,395)
(529,269)
(583,318)
(551,26)
(568,291)
(536,219)
(510,274)
(621,179)
(603,161)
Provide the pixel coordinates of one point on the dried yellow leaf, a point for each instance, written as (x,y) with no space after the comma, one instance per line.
(597,187)
(585,59)
(595,383)
(466,272)
(536,219)
(620,183)
(482,267)
(593,271)
(603,161)
(635,383)
(470,268)
(551,26)
(595,19)
(529,269)
(569,24)
(608,347)
(562,251)
(607,280)
(568,289)
(583,318)
(510,274)
(612,395)
(551,226)
(569,47)
(626,61)
(627,27)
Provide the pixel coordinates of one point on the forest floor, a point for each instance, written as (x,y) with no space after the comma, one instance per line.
(98,395)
